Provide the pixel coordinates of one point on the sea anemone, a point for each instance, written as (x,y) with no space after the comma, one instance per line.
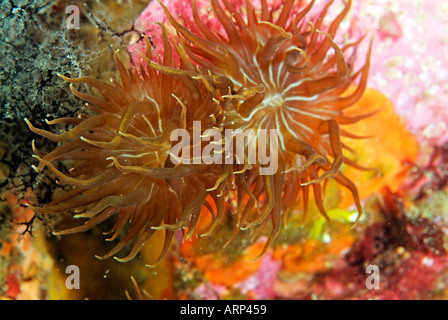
(272,70)
(120,157)
(290,76)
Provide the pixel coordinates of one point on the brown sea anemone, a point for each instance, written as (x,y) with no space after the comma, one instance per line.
(287,75)
(119,158)
(270,70)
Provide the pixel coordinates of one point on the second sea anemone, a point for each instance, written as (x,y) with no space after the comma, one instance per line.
(289,75)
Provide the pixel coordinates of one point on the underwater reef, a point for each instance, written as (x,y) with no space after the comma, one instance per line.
(119,181)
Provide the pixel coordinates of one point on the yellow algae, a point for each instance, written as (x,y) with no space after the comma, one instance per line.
(386,152)
(319,227)
(313,256)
